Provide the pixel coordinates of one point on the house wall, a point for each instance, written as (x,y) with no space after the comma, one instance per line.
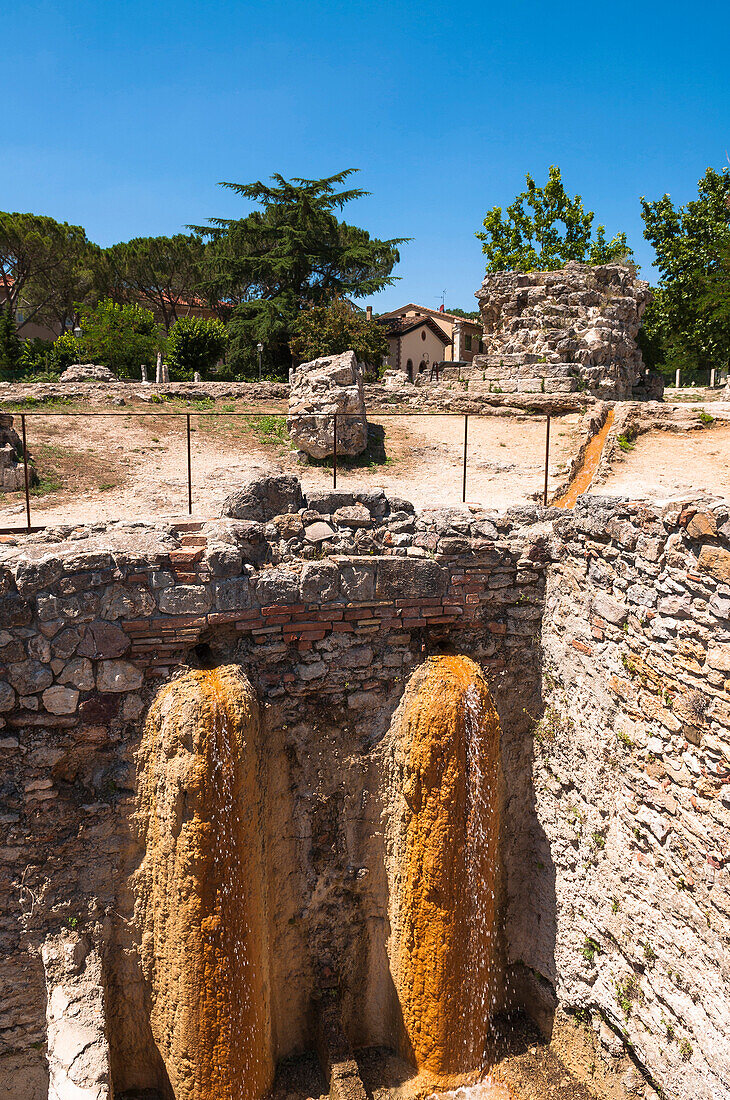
(417,349)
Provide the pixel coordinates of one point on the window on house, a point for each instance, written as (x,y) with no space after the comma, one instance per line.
(467,341)
(423,334)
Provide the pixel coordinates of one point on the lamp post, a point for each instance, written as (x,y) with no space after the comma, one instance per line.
(77,332)
(259,349)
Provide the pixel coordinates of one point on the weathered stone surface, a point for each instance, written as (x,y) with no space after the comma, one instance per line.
(262,498)
(715,560)
(101,639)
(444,831)
(274,586)
(78,1051)
(193,599)
(201,888)
(79,673)
(320,582)
(87,372)
(29,676)
(404,577)
(355,516)
(318,532)
(117,676)
(320,389)
(60,700)
(7,697)
(563,330)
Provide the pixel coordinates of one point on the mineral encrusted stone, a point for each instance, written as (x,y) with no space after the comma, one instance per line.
(558,331)
(262,498)
(321,388)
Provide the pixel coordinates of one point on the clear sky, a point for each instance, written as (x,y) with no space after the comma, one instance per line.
(122,115)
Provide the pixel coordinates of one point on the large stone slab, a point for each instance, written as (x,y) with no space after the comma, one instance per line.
(320,389)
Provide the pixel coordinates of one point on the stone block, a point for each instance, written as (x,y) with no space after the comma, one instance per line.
(60,700)
(118,676)
(188,599)
(409,578)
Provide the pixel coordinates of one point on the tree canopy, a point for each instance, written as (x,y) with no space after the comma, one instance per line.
(337,327)
(690,314)
(46,267)
(543,229)
(166,273)
(293,253)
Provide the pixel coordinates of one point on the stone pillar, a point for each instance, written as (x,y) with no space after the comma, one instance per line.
(78,1051)
(143,372)
(458,340)
(712,378)
(196,376)
(676,378)
(158,372)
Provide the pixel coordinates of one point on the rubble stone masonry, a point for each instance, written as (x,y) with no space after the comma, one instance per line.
(605,636)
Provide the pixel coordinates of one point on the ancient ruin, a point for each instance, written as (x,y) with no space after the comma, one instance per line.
(326,387)
(266,792)
(563,331)
(12,473)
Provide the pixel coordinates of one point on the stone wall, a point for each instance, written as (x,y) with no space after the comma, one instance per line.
(561,331)
(616,814)
(98,620)
(632,781)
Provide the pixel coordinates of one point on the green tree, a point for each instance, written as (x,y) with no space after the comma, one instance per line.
(120,337)
(10,345)
(165,273)
(543,229)
(689,314)
(195,344)
(46,267)
(337,327)
(291,254)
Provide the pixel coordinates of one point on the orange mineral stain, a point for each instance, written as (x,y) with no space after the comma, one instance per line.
(201,888)
(584,476)
(443,954)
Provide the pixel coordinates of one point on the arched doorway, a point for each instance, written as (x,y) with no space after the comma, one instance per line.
(409,370)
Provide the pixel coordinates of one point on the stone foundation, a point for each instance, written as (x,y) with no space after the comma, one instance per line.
(604,635)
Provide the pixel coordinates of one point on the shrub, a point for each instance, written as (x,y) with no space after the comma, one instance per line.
(195,344)
(338,327)
(120,337)
(10,345)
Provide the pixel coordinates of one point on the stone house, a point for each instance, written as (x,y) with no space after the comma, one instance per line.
(419,337)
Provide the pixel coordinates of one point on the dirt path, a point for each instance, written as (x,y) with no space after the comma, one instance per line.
(133,466)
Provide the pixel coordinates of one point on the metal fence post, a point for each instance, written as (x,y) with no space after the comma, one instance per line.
(334,457)
(463,482)
(26,473)
(190,476)
(547,460)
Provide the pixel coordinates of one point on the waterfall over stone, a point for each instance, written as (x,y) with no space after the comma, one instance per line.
(444,874)
(201,887)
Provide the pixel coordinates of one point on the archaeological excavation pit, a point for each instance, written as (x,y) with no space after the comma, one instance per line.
(372,819)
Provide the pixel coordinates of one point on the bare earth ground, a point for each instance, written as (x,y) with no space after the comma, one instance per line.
(126,465)
(663,465)
(132,463)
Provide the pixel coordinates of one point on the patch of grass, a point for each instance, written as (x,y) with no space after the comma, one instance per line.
(615,905)
(598,840)
(107,485)
(44,404)
(590,949)
(625,442)
(628,991)
(270,429)
(624,738)
(649,953)
(685,1049)
(706,418)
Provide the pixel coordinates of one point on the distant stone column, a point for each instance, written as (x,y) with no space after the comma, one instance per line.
(712,378)
(143,372)
(458,340)
(158,372)
(676,378)
(196,376)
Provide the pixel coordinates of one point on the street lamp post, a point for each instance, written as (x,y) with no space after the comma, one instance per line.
(259,349)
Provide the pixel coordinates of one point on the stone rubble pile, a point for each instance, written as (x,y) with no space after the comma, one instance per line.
(562,331)
(87,372)
(319,390)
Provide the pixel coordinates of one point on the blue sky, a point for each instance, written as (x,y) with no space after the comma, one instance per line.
(122,116)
